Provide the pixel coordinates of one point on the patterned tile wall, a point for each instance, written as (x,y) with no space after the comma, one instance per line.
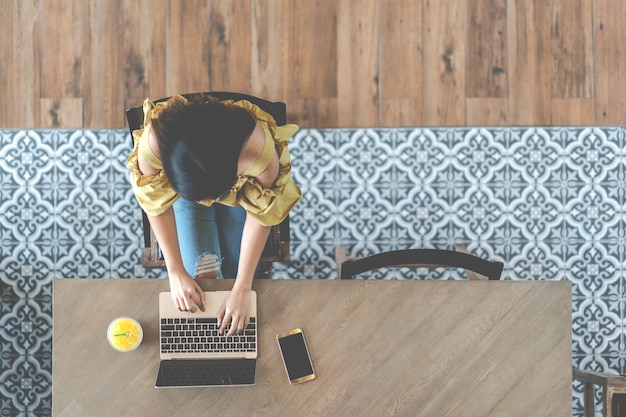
(548,202)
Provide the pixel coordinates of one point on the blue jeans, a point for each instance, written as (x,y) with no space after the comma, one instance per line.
(209,230)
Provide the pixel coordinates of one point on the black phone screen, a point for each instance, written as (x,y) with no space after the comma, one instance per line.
(296,356)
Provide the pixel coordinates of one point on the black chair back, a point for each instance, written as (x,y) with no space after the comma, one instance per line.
(431,258)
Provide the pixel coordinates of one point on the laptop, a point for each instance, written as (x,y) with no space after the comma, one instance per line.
(194,354)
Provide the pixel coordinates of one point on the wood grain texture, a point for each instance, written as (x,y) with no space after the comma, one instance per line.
(571,47)
(313,112)
(229,46)
(529,49)
(335,63)
(400,78)
(573,112)
(144,51)
(488,111)
(444,63)
(104,72)
(487,61)
(315,64)
(63,31)
(400,49)
(192,42)
(610,56)
(357,67)
(316,48)
(400,112)
(20,63)
(61,112)
(272,49)
(473,348)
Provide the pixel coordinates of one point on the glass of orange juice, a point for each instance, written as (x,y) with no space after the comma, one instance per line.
(124,334)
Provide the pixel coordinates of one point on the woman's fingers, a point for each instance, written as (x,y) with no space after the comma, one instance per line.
(190,303)
(237,325)
(190,299)
(201,298)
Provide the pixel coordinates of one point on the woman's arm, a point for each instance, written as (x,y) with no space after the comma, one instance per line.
(237,305)
(253,240)
(186,293)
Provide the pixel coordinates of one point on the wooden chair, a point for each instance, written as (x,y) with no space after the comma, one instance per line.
(428,258)
(613,398)
(277,247)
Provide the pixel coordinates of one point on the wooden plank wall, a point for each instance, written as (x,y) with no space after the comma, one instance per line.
(337,63)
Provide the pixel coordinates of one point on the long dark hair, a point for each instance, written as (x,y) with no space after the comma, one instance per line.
(200,142)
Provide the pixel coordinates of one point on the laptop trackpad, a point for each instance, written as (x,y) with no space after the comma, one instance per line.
(206,373)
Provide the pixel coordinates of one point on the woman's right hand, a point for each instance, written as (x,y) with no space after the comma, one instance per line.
(186,293)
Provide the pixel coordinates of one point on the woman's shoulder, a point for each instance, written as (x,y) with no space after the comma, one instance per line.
(148,155)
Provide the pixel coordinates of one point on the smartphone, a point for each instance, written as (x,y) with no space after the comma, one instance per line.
(295,354)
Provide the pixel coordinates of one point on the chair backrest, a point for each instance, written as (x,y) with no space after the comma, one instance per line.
(429,258)
(277,109)
(277,247)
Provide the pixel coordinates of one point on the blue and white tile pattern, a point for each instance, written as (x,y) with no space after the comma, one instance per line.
(547,202)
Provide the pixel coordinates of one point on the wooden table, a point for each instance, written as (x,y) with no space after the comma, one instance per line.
(405,348)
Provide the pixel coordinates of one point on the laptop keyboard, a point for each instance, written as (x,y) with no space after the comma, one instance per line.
(201,335)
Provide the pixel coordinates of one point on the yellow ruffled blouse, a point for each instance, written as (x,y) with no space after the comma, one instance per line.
(269,206)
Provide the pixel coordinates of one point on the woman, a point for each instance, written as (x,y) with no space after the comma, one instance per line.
(192,154)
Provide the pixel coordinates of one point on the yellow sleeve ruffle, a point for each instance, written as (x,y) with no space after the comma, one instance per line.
(268,206)
(154,193)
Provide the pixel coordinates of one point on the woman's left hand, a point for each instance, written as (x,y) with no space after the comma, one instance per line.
(236,308)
